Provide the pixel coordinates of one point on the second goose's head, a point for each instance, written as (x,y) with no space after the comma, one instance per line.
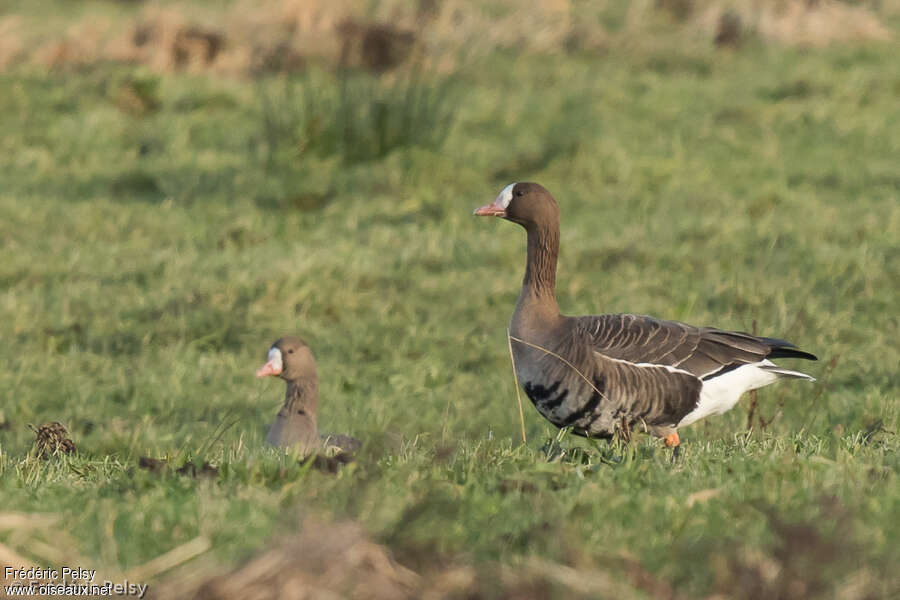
(291,359)
(525,203)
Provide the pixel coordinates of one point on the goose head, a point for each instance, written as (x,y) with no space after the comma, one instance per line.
(525,203)
(289,358)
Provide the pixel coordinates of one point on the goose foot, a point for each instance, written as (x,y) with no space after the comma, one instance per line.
(672,441)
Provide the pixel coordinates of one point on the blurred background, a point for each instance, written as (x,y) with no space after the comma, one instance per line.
(181,183)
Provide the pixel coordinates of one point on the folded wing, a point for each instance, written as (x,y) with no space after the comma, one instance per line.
(705,352)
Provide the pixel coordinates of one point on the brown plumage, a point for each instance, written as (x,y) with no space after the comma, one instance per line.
(51,439)
(606,375)
(295,424)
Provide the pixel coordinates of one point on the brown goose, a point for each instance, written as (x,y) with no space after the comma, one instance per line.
(295,425)
(605,375)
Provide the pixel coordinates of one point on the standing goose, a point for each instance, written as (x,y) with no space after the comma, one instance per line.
(603,375)
(295,425)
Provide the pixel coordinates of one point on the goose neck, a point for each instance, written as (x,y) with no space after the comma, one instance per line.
(540,266)
(302,397)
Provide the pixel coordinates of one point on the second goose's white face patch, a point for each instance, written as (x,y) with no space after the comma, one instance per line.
(274,357)
(505,196)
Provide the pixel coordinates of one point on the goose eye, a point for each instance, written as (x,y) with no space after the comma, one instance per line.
(291,351)
(520,193)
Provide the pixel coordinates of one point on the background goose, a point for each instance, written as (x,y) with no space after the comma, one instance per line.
(604,375)
(295,425)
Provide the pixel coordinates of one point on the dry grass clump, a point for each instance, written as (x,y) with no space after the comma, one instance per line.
(250,37)
(188,467)
(323,561)
(341,561)
(11,45)
(810,23)
(545,26)
(83,43)
(166,41)
(35,540)
(285,35)
(797,564)
(51,439)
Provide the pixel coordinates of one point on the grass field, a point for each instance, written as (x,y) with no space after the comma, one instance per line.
(160,229)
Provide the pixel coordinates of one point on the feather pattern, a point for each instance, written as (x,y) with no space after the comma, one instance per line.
(701,351)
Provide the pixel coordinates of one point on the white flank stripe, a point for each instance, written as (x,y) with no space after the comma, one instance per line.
(646,365)
(668,368)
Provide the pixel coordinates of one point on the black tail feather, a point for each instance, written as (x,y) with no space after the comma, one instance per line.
(775,342)
(790,352)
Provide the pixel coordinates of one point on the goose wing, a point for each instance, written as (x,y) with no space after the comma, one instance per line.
(702,351)
(341,442)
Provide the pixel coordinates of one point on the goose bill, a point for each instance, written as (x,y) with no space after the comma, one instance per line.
(273,364)
(495,209)
(491,210)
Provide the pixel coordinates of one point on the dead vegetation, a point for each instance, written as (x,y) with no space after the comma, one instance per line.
(340,560)
(195,469)
(40,540)
(322,561)
(806,23)
(188,468)
(52,439)
(286,35)
(800,561)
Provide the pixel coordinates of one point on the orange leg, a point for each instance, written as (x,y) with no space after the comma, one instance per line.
(673,442)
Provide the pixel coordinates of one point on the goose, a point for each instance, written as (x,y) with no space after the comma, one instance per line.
(605,375)
(295,424)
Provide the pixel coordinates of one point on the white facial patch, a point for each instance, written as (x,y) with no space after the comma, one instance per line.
(505,196)
(274,357)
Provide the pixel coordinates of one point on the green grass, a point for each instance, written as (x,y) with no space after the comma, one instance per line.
(149,260)
(354,116)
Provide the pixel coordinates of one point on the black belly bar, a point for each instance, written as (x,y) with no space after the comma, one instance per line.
(548,398)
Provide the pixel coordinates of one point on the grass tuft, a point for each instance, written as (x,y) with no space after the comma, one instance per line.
(356,116)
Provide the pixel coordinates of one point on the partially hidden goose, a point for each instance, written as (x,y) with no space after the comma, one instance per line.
(605,375)
(295,425)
